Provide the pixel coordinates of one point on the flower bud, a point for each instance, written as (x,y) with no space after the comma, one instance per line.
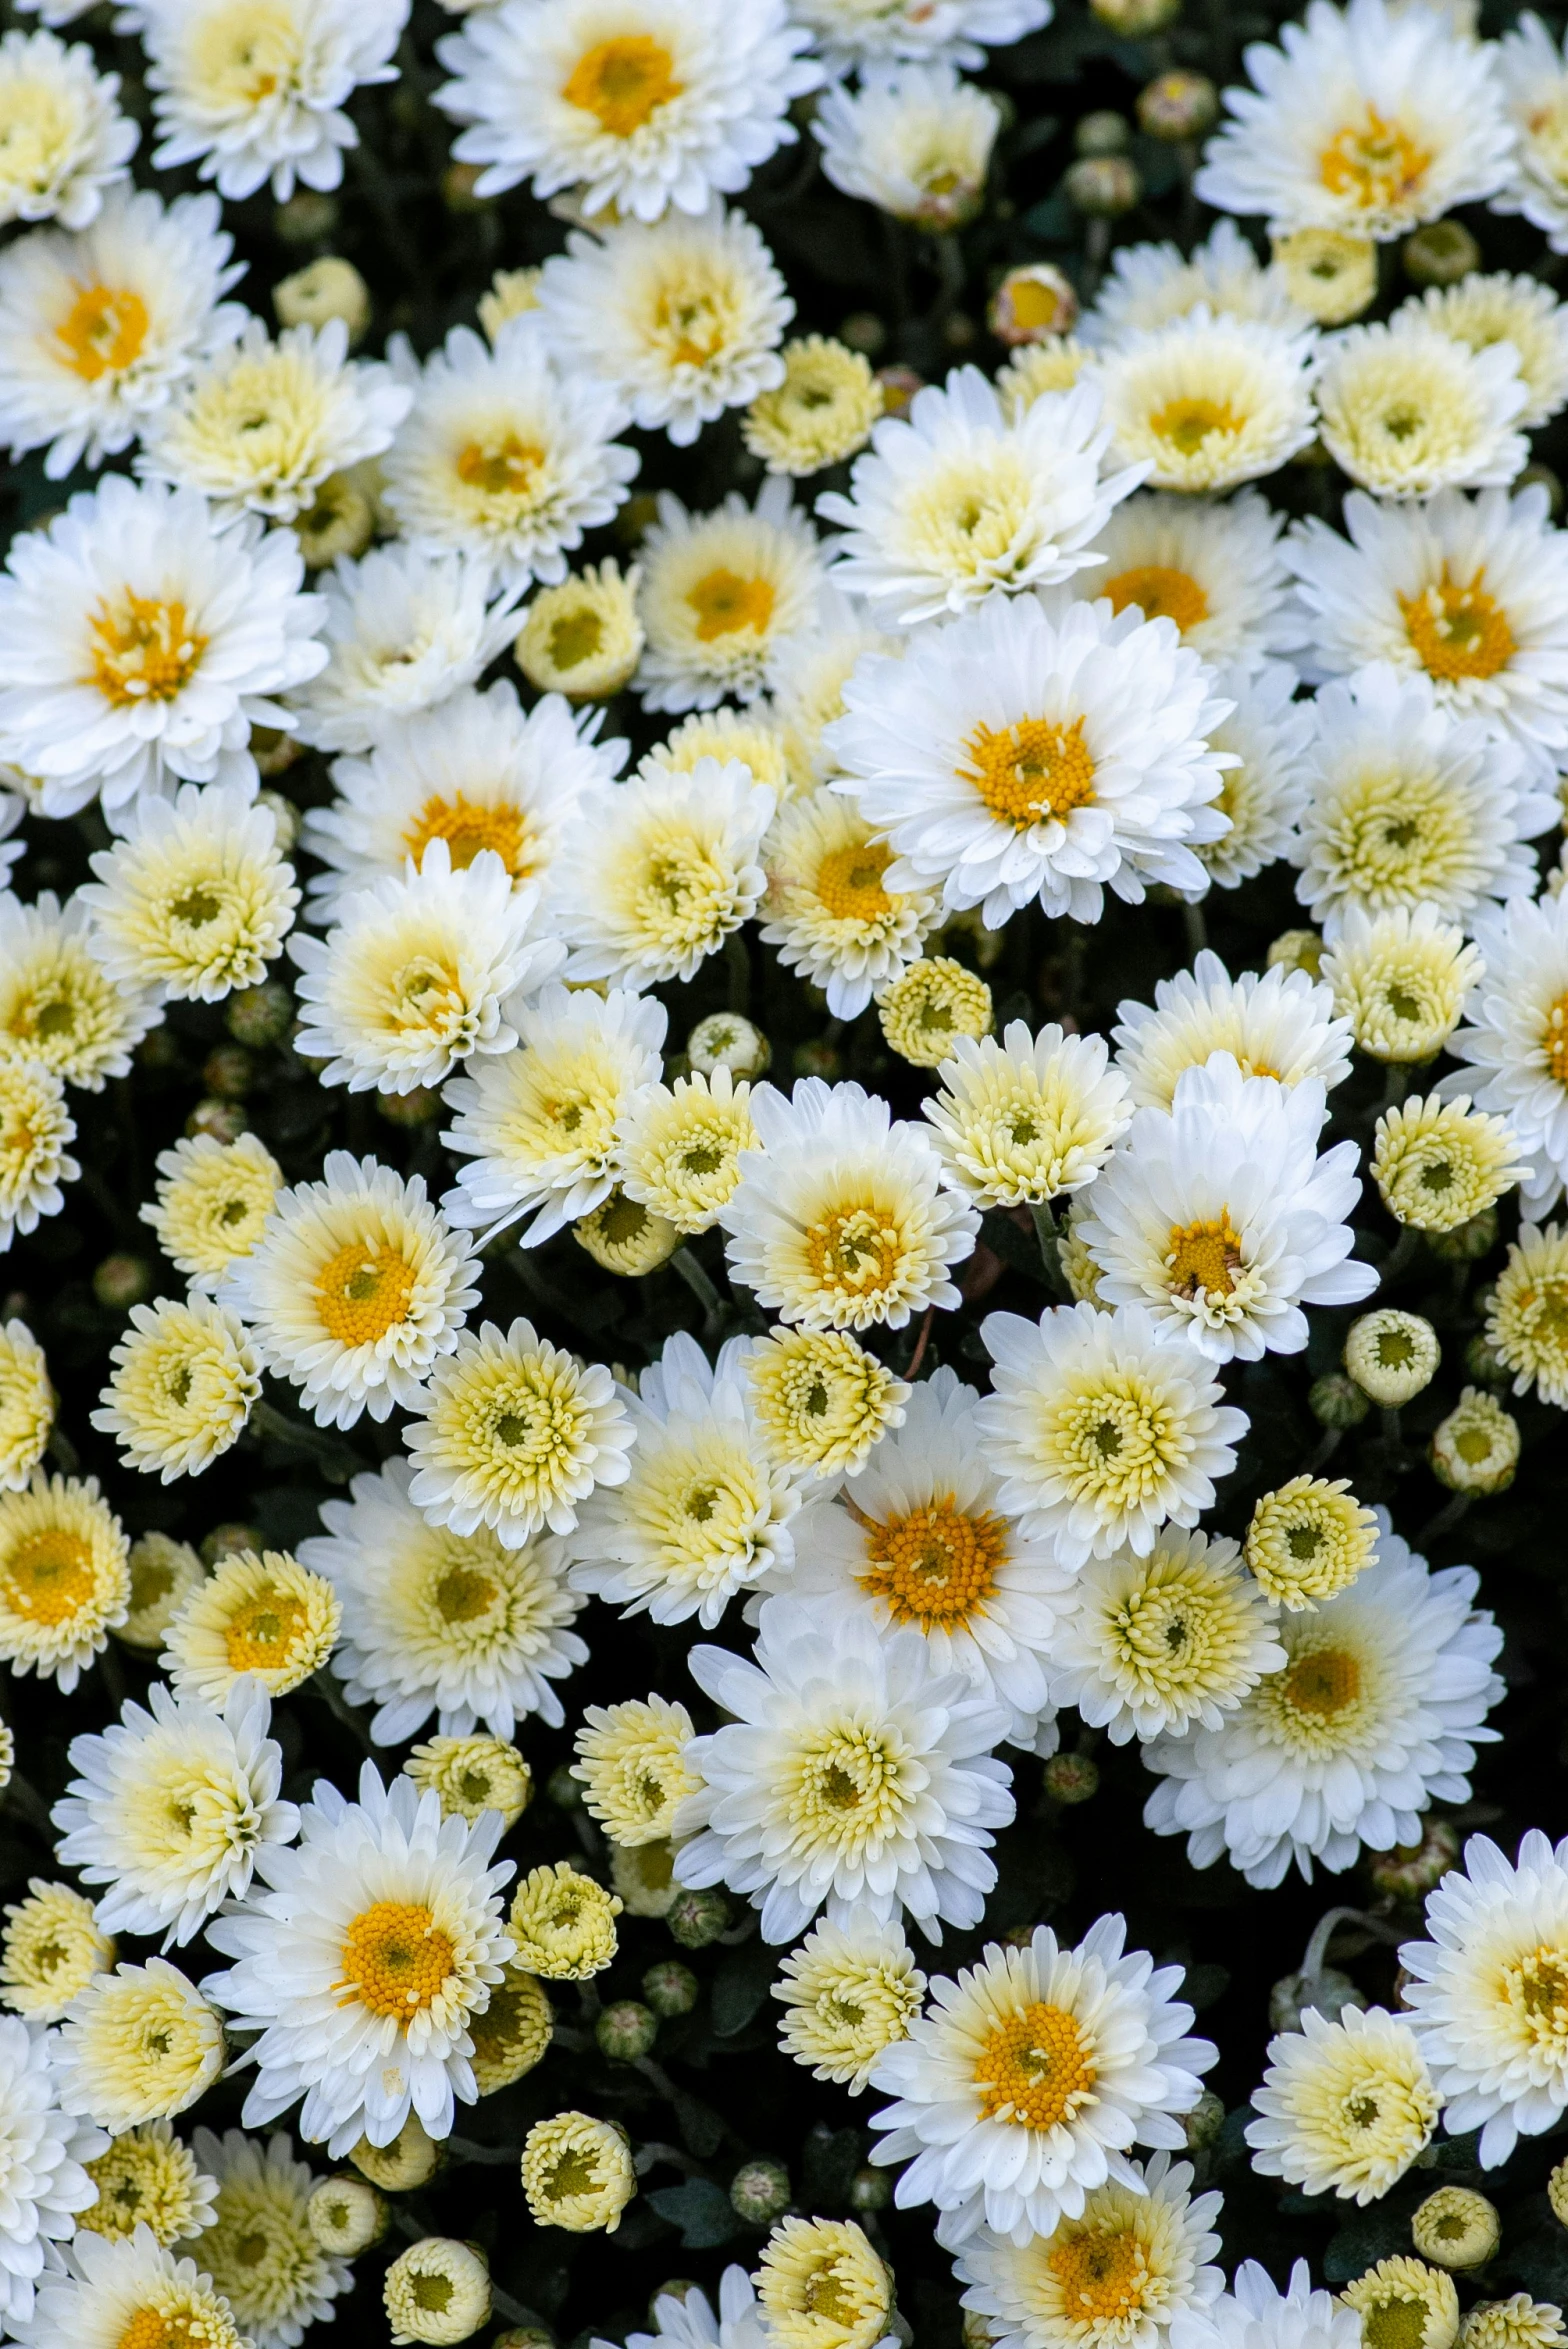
(1411,1870)
(1071,1779)
(326,289)
(437,2291)
(1178,106)
(1103,133)
(1032,302)
(1297,950)
(1294,1994)
(1476,1448)
(870,2189)
(1102,187)
(306,218)
(1440,254)
(346,2216)
(1336,1401)
(122,1280)
(760,2192)
(1456,2228)
(1135,19)
(1204,2122)
(223,1120)
(229,1071)
(409,2161)
(1392,1355)
(698,1916)
(1467,1242)
(725,1040)
(225,1539)
(899,386)
(259,1015)
(626,2031)
(671,1988)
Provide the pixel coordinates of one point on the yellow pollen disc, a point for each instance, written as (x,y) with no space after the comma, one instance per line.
(396,1959)
(937,1565)
(467,827)
(1035,2068)
(622,83)
(1324,1682)
(575,638)
(505,468)
(149,2328)
(143,649)
(1187,424)
(363,1292)
(827,2294)
(1373,162)
(1458,631)
(1032,770)
(103,330)
(853,1249)
(260,1635)
(1203,1258)
(1160,592)
(463,1596)
(695,324)
(849,882)
(1539,1987)
(48,1578)
(1101,2276)
(725,603)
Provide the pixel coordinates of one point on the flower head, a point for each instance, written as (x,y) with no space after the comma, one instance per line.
(632,1767)
(27,1405)
(1392,1355)
(65,140)
(1401,2298)
(820,414)
(42,2153)
(1278,1024)
(1400,980)
(661,871)
(133,2289)
(148,2178)
(264,1614)
(916,142)
(721,595)
(35,1127)
(822,2286)
(163,1575)
(140,2044)
(472,1775)
(1205,403)
(583,638)
(51,1949)
(819,1401)
(58,1004)
(185,1382)
(1482,311)
(438,2290)
(260,2250)
(403,631)
(1345,2106)
(64,1580)
(1456,2228)
(1438,1163)
(829,911)
(196,899)
(1308,1540)
(212,1203)
(848,1992)
(1215,570)
(1406,408)
(1527,1316)
(563,1924)
(577,2173)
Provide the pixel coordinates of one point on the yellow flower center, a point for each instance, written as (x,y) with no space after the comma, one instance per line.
(725,603)
(849,882)
(48,1578)
(144,649)
(1101,2276)
(363,1292)
(694,322)
(849,1792)
(239,56)
(1400,2323)
(467,826)
(1187,424)
(1458,631)
(261,1634)
(463,1596)
(1538,1990)
(1160,592)
(827,2293)
(935,1565)
(152,2328)
(1203,1258)
(507,468)
(1554,1038)
(623,83)
(396,1959)
(574,638)
(853,1249)
(1323,1682)
(1373,162)
(1035,2069)
(103,331)
(1031,770)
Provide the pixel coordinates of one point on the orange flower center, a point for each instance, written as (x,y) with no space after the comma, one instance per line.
(1031,770)
(1101,2276)
(623,83)
(467,826)
(725,603)
(849,882)
(1160,592)
(396,1959)
(103,331)
(49,1577)
(152,2328)
(936,1565)
(144,649)
(362,1292)
(1373,162)
(1458,631)
(1324,1682)
(853,1249)
(1204,1258)
(1035,2069)
(261,1635)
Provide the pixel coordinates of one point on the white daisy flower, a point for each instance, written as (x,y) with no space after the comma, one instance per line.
(1481,311)
(355,1289)
(1533,80)
(211,1203)
(1027,1119)
(840,1219)
(184,1384)
(258,2247)
(1515,1040)
(1368,119)
(722,594)
(662,103)
(138,2044)
(440,1622)
(1102,1428)
(847,1992)
(58,1004)
(403,632)
(1407,408)
(139,645)
(35,1127)
(1257,2315)
(1037,758)
(682,319)
(195,900)
(1026,2080)
(852,1775)
(953,502)
(262,425)
(1216,569)
(256,95)
(505,458)
(916,142)
(1345,2105)
(63,139)
(873,32)
(538,1126)
(1204,403)
(1147,286)
(171,1808)
(1264,795)
(27,1405)
(1376,1713)
(658,872)
(42,2175)
(130,2286)
(97,329)
(829,913)
(704,1510)
(377,1937)
(1278,1023)
(1485,1992)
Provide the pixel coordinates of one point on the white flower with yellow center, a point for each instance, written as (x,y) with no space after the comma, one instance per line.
(139,644)
(503,458)
(472,1775)
(840,1219)
(641,105)
(1215,569)
(848,1992)
(1026,2081)
(439,1622)
(63,139)
(1487,1993)
(680,1147)
(702,1511)
(1439,1163)
(721,595)
(954,502)
(52,1949)
(1407,408)
(1484,311)
(1368,119)
(750,735)
(876,32)
(254,90)
(164,1573)
(170,1809)
(1401,980)
(1102,1428)
(148,2178)
(822,2284)
(42,2178)
(196,899)
(657,872)
(1516,1038)
(403,632)
(577,2174)
(263,1614)
(1527,1318)
(259,2249)
(1264,794)
(184,1384)
(1533,80)
(378,1935)
(820,414)
(828,910)
(1331,274)
(1031,758)
(1376,1712)
(27,1405)
(539,1126)
(57,1002)
(64,1580)
(631,1768)
(35,1127)
(583,638)
(682,319)
(820,1401)
(1027,1119)
(1279,1024)
(97,329)
(355,1290)
(212,1203)
(852,1774)
(915,142)
(131,2291)
(1345,2106)
(1204,403)
(140,2044)
(261,426)
(1147,286)
(1119,2276)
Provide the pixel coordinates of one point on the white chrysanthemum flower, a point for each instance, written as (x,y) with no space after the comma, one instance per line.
(35,1127)
(1102,1428)
(820,414)
(140,2044)
(403,632)
(1406,408)
(58,1004)
(254,90)
(840,1219)
(1527,1318)
(261,426)
(642,107)
(64,1580)
(659,871)
(184,1384)
(504,457)
(1027,757)
(1257,2315)
(1401,981)
(1515,1040)
(139,644)
(954,503)
(682,319)
(1027,2079)
(63,139)
(1533,80)
(259,2249)
(97,329)
(52,1949)
(848,1992)
(749,735)
(445,1623)
(1329,272)
(213,1199)
(852,1774)
(1029,1118)
(148,2178)
(916,142)
(196,899)
(171,1808)
(1215,569)
(1263,795)
(539,1126)
(1376,1713)
(1204,403)
(43,2183)
(631,1769)
(829,912)
(822,2284)
(859,33)
(265,1614)
(27,1405)
(378,1934)
(702,1508)
(1136,2260)
(1279,1024)
(1147,286)
(130,2290)
(1368,119)
(680,1147)
(721,595)
(583,638)
(354,1291)
(820,1400)
(1474,591)
(1345,2106)
(1483,311)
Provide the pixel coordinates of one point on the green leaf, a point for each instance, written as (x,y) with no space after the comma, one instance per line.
(701,2210)
(740,1986)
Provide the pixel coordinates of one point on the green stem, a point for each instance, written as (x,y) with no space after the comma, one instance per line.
(701,1287)
(338,1461)
(1195,923)
(1404,1255)
(1048,1232)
